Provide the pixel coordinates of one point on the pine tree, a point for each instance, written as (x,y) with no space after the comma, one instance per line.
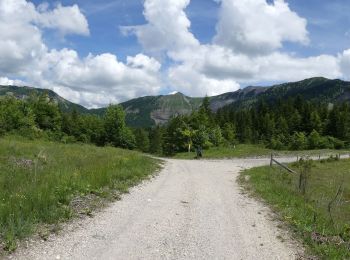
(115,128)
(229,133)
(142,140)
(156,141)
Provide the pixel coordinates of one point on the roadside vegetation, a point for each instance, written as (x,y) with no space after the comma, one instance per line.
(70,154)
(315,202)
(45,183)
(294,124)
(256,151)
(237,151)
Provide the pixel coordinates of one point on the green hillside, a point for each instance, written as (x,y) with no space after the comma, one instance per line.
(147,111)
(319,90)
(154,110)
(25,92)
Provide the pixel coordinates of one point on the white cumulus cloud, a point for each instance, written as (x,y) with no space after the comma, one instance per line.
(102,75)
(6,81)
(95,80)
(257,27)
(345,63)
(66,19)
(246,49)
(167,28)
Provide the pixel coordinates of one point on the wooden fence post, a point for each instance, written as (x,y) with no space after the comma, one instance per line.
(271,160)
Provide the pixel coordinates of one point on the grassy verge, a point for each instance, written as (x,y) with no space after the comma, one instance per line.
(248,150)
(326,232)
(40,180)
(241,150)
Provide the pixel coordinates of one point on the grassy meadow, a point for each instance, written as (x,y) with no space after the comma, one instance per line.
(39,180)
(321,217)
(250,150)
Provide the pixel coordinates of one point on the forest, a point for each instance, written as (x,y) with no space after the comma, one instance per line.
(292,124)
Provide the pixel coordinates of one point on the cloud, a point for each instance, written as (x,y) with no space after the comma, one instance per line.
(167,28)
(257,27)
(283,67)
(345,63)
(95,80)
(102,75)
(6,81)
(191,82)
(21,42)
(66,19)
(245,50)
(215,69)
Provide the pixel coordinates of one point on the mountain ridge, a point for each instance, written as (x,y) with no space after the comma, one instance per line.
(152,110)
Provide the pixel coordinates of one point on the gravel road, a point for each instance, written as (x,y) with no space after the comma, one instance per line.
(191,210)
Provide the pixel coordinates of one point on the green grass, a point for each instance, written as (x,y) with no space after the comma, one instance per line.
(38,181)
(241,150)
(308,215)
(249,150)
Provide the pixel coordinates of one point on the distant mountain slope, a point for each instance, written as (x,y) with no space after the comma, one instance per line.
(140,112)
(152,110)
(248,93)
(320,90)
(25,92)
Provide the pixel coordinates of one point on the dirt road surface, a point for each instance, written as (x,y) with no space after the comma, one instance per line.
(191,210)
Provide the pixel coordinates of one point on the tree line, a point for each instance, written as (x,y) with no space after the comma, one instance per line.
(291,124)
(294,124)
(38,116)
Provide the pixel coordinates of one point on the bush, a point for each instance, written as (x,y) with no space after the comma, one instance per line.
(142,140)
(229,133)
(314,140)
(215,136)
(298,141)
(117,132)
(67,139)
(277,143)
(338,144)
(201,137)
(333,143)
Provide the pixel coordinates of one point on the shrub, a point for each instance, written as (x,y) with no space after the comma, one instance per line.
(298,141)
(201,137)
(229,133)
(314,140)
(215,136)
(277,142)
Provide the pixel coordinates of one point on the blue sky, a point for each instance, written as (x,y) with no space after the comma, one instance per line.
(328,25)
(106,16)
(108,51)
